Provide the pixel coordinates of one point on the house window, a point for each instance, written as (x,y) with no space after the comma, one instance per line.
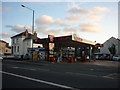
(18,49)
(15,49)
(12,49)
(17,40)
(13,41)
(6,50)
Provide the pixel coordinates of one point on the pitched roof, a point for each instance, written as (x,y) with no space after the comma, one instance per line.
(3,41)
(30,37)
(112,38)
(20,34)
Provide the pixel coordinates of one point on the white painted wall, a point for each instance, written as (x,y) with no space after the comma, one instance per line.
(108,44)
(36,45)
(23,45)
(19,43)
(27,44)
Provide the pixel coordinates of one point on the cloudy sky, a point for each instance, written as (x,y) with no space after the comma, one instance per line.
(95,21)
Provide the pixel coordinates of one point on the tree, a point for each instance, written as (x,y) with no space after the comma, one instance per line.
(112,49)
(95,50)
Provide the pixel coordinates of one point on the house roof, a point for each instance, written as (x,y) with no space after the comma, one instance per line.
(118,39)
(3,41)
(112,38)
(30,36)
(21,34)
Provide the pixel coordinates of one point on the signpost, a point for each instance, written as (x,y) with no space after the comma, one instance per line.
(51,46)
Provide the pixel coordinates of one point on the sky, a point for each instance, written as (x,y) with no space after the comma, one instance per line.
(94,21)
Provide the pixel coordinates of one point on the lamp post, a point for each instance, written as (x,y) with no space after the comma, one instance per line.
(32,19)
(32,22)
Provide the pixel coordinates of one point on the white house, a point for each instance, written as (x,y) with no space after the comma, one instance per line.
(109,43)
(22,41)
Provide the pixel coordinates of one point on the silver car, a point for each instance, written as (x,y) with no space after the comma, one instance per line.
(1,58)
(116,58)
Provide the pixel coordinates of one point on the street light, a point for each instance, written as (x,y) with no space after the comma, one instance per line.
(32,23)
(32,19)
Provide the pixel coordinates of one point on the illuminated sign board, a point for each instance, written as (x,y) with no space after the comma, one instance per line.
(75,38)
(51,46)
(51,38)
(65,38)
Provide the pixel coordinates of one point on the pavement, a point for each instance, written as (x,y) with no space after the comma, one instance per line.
(97,62)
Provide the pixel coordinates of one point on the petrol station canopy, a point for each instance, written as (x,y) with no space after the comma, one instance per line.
(66,41)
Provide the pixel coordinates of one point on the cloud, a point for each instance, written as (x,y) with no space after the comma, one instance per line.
(58,21)
(94,14)
(97,13)
(18,28)
(45,20)
(72,19)
(73,23)
(5,35)
(76,11)
(91,27)
(95,17)
(100,9)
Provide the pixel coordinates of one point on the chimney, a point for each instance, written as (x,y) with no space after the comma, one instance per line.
(26,32)
(35,35)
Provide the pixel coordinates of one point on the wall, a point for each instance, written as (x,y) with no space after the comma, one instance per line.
(2,48)
(27,44)
(16,44)
(7,50)
(108,44)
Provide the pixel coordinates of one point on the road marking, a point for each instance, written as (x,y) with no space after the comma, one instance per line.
(108,77)
(24,68)
(112,76)
(72,73)
(30,69)
(91,69)
(44,69)
(15,67)
(40,81)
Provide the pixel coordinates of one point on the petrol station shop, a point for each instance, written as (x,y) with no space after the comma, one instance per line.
(68,48)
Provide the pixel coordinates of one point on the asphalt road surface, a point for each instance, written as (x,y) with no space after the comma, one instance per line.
(20,74)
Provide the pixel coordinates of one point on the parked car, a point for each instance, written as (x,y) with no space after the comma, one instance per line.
(101,57)
(78,57)
(1,58)
(26,57)
(17,56)
(116,58)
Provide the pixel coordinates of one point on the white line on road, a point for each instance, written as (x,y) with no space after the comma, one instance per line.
(24,68)
(15,67)
(30,69)
(72,73)
(40,81)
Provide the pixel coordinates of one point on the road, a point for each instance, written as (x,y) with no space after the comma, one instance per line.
(20,74)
